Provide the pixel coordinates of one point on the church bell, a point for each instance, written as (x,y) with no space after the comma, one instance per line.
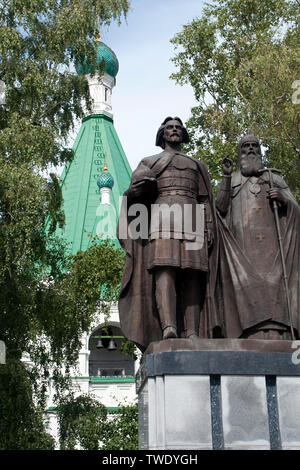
(99,344)
(112,345)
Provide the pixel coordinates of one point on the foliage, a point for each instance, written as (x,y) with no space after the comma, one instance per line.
(122,429)
(242,60)
(129,349)
(16,401)
(85,424)
(82,422)
(46,299)
(67,303)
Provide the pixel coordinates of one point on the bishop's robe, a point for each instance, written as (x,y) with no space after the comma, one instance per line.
(251,268)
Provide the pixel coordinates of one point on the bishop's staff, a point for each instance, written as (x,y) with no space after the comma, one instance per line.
(275,207)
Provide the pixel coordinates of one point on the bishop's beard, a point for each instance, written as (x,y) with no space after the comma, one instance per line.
(250,164)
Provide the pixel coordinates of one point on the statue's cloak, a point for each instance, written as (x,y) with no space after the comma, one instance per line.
(249,299)
(139,317)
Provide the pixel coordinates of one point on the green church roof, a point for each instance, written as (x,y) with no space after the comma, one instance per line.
(103,54)
(84,212)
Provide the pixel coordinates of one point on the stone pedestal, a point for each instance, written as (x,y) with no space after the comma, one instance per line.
(219,394)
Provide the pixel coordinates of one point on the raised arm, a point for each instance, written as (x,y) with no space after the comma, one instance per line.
(223,197)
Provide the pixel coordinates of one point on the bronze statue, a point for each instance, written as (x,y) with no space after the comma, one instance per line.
(260,253)
(169,280)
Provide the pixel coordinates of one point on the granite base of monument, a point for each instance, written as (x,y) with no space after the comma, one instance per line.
(219,394)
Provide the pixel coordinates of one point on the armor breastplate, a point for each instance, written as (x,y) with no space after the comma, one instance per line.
(180,177)
(177,188)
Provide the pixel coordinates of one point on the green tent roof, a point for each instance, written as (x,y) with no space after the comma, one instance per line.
(97,137)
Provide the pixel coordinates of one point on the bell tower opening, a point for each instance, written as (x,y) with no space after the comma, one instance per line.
(106,358)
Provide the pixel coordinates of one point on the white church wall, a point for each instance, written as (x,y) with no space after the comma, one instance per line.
(111,391)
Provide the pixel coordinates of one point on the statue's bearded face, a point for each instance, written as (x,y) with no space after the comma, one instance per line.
(250,158)
(173,132)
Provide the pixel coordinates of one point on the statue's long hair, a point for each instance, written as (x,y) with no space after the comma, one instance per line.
(160,141)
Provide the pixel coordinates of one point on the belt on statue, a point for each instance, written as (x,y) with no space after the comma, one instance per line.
(178,192)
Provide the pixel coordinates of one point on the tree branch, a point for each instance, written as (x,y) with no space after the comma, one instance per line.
(288,136)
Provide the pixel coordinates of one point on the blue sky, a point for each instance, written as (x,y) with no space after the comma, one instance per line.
(144,95)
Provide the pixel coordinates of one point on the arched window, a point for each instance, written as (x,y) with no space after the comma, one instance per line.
(106,359)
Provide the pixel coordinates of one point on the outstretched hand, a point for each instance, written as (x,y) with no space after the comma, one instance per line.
(227,166)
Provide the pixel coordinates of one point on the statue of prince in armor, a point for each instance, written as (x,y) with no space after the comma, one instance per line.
(169,280)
